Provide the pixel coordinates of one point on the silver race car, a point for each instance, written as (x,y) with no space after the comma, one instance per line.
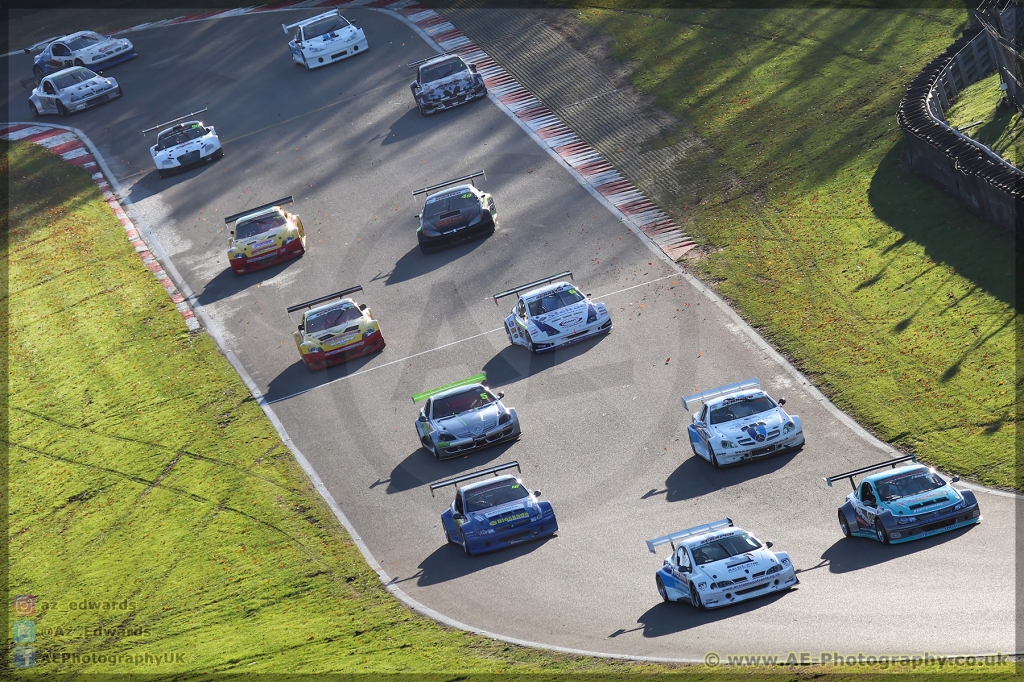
(323,39)
(84,48)
(70,90)
(550,316)
(183,144)
(462,417)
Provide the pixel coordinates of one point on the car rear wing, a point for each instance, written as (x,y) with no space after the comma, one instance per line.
(710,394)
(531,285)
(41,45)
(338,294)
(672,538)
(173,120)
(288,27)
(30,83)
(451,182)
(477,474)
(272,204)
(413,65)
(873,467)
(468,381)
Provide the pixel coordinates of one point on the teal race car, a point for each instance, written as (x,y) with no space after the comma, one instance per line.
(906,503)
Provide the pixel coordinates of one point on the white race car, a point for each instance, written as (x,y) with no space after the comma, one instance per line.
(70,90)
(550,316)
(739,422)
(323,39)
(84,48)
(184,144)
(716,564)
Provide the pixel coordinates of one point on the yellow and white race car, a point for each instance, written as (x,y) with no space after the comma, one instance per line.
(264,236)
(335,332)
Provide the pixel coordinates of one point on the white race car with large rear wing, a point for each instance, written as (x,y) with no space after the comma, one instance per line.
(717,564)
(183,144)
(323,39)
(739,422)
(551,315)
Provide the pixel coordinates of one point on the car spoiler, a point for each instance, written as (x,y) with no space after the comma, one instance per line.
(288,27)
(705,396)
(476,379)
(30,83)
(272,204)
(416,63)
(41,45)
(451,182)
(173,120)
(338,294)
(873,467)
(546,280)
(671,538)
(478,474)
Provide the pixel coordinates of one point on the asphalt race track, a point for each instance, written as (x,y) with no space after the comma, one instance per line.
(604,432)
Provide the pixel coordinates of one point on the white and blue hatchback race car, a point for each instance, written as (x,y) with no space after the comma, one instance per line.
(551,315)
(739,422)
(84,48)
(325,38)
(716,564)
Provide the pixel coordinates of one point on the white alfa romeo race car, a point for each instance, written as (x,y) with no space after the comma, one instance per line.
(740,422)
(323,39)
(184,144)
(716,564)
(550,316)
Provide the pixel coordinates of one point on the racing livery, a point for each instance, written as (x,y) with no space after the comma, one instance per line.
(495,513)
(907,503)
(739,422)
(264,236)
(335,332)
(717,564)
(84,48)
(70,90)
(462,417)
(455,215)
(323,39)
(184,144)
(445,81)
(551,316)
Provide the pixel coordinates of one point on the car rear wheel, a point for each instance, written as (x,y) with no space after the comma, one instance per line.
(79,62)
(695,598)
(32,108)
(880,533)
(61,109)
(844,525)
(661,588)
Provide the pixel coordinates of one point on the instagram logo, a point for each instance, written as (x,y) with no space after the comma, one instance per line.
(25,605)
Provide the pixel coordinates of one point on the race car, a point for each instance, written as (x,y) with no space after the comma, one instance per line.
(445,81)
(70,90)
(462,417)
(499,512)
(84,48)
(335,332)
(907,503)
(323,39)
(455,215)
(739,422)
(717,564)
(551,316)
(184,144)
(264,236)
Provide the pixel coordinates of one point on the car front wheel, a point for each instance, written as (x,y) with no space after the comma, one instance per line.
(447,538)
(880,533)
(529,343)
(714,458)
(465,546)
(844,525)
(695,598)
(32,108)
(661,588)
(61,109)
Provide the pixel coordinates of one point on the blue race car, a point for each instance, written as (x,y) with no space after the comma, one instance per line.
(84,48)
(908,503)
(495,513)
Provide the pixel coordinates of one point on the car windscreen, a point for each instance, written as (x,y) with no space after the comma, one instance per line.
(467,400)
(83,41)
(435,206)
(332,317)
(319,28)
(72,77)
(742,408)
(180,136)
(264,223)
(429,74)
(553,300)
(909,484)
(723,548)
(494,494)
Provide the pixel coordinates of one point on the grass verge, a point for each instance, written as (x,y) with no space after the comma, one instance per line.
(891,295)
(1001,126)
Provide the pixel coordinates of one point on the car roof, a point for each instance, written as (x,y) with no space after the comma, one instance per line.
(452,191)
(488,481)
(70,68)
(888,473)
(718,402)
(328,306)
(76,34)
(547,288)
(458,390)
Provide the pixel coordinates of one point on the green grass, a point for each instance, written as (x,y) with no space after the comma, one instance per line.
(1001,126)
(891,295)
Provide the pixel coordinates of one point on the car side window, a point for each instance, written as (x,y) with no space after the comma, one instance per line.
(703,414)
(684,560)
(426,408)
(60,51)
(867,496)
(521,308)
(298,36)
(48,88)
(458,502)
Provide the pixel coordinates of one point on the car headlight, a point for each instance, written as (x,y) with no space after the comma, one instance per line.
(903,520)
(727,444)
(960,505)
(76,97)
(720,584)
(370,331)
(591,314)
(790,425)
(445,437)
(313,348)
(774,569)
(237,255)
(289,239)
(505,418)
(431,232)
(785,561)
(702,586)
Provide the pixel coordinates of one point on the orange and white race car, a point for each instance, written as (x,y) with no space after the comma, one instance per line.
(335,332)
(264,236)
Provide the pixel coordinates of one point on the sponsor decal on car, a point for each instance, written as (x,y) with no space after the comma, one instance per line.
(259,247)
(570,322)
(757,431)
(506,519)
